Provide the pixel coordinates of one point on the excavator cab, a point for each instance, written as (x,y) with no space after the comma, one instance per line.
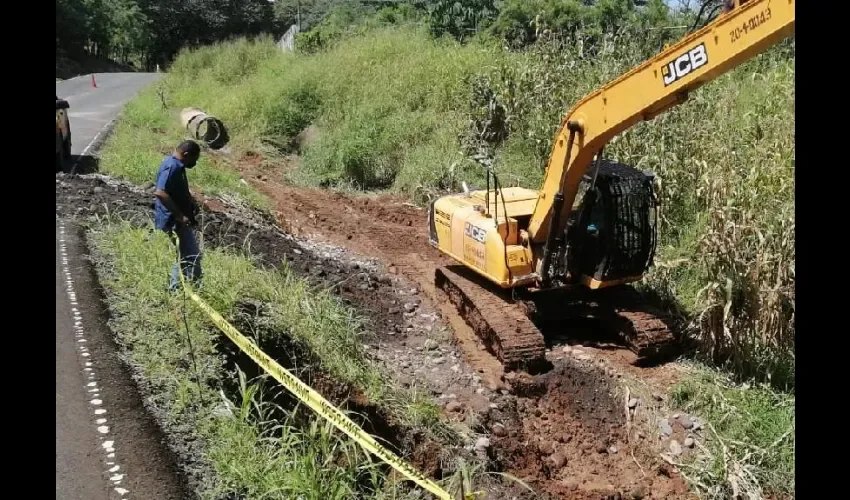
(611,235)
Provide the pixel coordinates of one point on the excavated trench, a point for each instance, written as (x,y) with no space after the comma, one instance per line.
(562,432)
(402,440)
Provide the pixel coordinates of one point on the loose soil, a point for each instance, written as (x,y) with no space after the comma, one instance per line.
(566,432)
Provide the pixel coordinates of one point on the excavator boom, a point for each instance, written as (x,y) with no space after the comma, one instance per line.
(652,88)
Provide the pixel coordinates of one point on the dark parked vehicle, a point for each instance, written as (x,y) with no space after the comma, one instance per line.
(63,134)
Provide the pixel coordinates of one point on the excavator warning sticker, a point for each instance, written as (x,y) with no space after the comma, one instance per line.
(473,253)
(442,218)
(684,65)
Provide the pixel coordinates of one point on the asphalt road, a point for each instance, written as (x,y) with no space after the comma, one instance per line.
(78,459)
(107,447)
(92,108)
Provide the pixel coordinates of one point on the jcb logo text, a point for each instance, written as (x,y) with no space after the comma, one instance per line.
(476,233)
(684,64)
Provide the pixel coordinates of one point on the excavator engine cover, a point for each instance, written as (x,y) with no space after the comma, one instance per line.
(620,231)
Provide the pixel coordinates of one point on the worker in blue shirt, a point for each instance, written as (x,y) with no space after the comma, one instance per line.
(174,209)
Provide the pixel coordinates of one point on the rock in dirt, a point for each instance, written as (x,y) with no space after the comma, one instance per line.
(454,406)
(665,427)
(675,447)
(557,460)
(499,430)
(633,402)
(482,444)
(410,307)
(601,448)
(638,493)
(546,448)
(689,442)
(686,421)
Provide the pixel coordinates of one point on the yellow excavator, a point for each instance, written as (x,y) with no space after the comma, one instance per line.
(572,249)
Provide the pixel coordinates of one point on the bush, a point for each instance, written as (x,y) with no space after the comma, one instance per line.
(521,23)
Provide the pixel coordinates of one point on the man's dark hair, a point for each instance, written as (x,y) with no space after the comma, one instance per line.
(189,147)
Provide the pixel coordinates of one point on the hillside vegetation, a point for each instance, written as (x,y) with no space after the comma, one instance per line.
(397,104)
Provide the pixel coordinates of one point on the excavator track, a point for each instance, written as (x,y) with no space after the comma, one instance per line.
(643,329)
(510,329)
(620,311)
(502,327)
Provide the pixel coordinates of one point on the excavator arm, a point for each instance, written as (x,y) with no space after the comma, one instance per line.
(746,29)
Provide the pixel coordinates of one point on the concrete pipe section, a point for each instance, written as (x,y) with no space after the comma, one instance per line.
(204,127)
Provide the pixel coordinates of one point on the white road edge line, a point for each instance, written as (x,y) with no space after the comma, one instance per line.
(93,141)
(98,413)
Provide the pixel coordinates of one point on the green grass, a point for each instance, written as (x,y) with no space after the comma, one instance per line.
(146,133)
(250,452)
(386,106)
(750,439)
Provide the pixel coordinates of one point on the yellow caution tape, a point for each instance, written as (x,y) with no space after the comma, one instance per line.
(312,398)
